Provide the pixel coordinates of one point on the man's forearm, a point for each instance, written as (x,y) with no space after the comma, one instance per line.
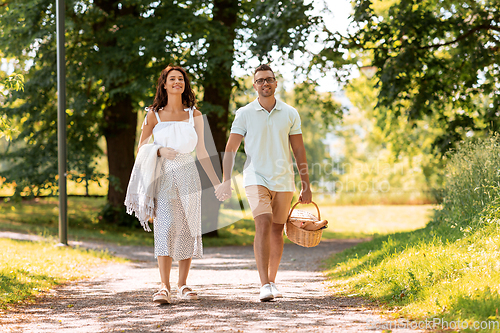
(302,167)
(304,175)
(207,165)
(228,164)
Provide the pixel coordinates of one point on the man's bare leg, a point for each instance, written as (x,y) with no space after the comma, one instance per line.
(276,249)
(261,245)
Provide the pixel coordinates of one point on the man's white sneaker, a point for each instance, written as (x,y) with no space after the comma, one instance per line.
(266,293)
(275,291)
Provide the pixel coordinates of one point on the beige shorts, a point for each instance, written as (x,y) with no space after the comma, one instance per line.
(264,201)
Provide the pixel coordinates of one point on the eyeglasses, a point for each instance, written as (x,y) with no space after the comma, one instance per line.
(268,80)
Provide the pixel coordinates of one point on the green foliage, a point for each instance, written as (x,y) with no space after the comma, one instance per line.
(114,53)
(33,155)
(383,160)
(322,106)
(449,269)
(428,273)
(472,183)
(435,59)
(40,216)
(82,212)
(277,25)
(12,82)
(318,113)
(118,217)
(6,129)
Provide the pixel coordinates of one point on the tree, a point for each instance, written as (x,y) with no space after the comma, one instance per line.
(262,27)
(318,112)
(115,50)
(372,164)
(11,82)
(434,58)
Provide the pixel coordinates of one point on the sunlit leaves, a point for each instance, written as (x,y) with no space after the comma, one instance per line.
(279,25)
(14,82)
(114,52)
(434,58)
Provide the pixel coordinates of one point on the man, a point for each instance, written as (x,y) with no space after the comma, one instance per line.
(269,127)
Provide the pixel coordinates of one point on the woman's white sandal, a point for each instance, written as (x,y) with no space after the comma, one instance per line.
(189,295)
(162,296)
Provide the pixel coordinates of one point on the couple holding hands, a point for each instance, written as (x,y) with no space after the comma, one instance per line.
(165,185)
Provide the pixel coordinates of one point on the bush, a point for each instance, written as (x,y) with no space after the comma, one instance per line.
(451,268)
(113,215)
(472,181)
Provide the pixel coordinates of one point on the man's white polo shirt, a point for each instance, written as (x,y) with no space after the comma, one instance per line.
(267,144)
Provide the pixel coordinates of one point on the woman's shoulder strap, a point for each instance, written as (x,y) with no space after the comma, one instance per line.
(145,122)
(157,116)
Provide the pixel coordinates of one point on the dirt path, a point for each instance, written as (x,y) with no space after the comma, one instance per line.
(119,300)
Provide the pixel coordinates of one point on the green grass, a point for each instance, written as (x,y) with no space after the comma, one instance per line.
(394,197)
(45,211)
(427,273)
(240,233)
(40,217)
(344,222)
(448,270)
(29,268)
(364,221)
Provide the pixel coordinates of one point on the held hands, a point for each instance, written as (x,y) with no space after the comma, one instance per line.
(167,153)
(223,191)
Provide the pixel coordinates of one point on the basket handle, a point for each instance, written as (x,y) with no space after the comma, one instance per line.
(291,210)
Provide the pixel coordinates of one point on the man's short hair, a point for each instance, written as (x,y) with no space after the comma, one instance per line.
(263,67)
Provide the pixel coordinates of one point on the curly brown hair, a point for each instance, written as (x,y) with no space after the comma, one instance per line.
(161,97)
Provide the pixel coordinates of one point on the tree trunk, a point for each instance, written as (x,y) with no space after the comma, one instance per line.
(119,128)
(119,122)
(217,86)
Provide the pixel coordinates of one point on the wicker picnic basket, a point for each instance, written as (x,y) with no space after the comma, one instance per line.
(299,236)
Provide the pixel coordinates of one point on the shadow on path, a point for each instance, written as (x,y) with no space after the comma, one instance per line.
(119,299)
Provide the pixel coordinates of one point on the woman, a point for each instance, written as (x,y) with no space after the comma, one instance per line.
(177,127)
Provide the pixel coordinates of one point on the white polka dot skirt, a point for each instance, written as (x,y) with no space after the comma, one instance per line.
(177,225)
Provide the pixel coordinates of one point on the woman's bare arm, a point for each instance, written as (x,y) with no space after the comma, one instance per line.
(147,129)
(201,151)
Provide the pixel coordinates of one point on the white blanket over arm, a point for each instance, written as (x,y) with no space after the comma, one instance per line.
(141,190)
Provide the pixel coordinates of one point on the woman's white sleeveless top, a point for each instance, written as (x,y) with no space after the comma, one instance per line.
(178,135)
